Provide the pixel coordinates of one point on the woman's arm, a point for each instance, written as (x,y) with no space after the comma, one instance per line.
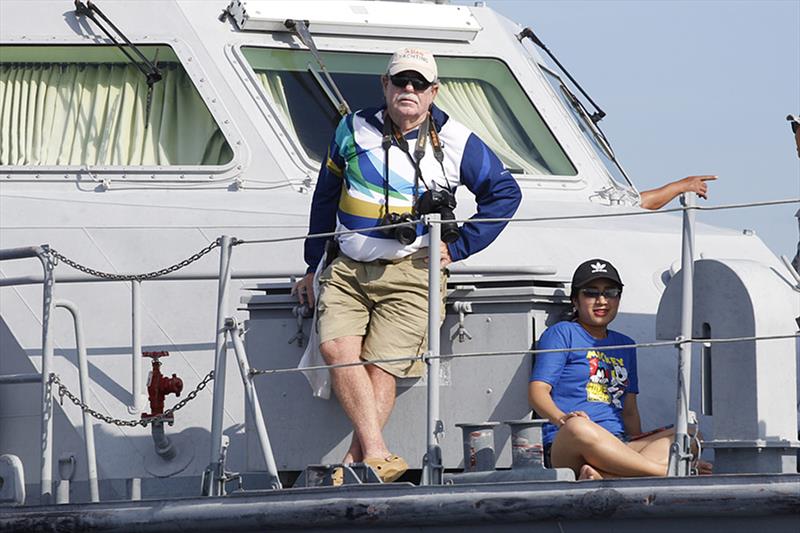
(542,402)
(630,415)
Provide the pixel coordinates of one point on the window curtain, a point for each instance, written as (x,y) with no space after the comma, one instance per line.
(94,114)
(477,105)
(273,85)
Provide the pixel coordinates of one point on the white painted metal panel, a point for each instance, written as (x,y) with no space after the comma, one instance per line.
(359,18)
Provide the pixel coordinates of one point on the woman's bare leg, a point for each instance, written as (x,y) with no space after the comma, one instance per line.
(656,446)
(590,472)
(581,441)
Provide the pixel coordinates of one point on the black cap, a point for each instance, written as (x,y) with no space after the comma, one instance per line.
(594,269)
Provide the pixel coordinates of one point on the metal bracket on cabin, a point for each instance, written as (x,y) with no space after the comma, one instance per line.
(462,308)
(598,115)
(300,28)
(148,68)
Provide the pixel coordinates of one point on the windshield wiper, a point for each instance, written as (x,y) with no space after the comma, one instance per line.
(328,86)
(598,134)
(595,117)
(151,71)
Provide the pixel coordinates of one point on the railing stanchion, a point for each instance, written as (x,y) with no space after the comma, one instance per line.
(680,453)
(432,462)
(47,368)
(213,482)
(136,348)
(251,398)
(83,382)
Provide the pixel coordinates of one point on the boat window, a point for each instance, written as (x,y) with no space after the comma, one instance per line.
(88,105)
(599,144)
(481,93)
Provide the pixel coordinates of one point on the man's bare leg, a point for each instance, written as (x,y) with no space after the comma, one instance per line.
(580,442)
(384,389)
(354,390)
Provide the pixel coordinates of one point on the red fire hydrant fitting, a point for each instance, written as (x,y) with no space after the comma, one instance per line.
(158,386)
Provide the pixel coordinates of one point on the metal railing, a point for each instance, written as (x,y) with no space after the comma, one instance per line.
(680,454)
(48,280)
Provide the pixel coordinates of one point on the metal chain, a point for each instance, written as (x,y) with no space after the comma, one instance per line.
(55,256)
(166,416)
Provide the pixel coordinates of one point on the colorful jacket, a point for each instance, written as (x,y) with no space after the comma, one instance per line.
(350,192)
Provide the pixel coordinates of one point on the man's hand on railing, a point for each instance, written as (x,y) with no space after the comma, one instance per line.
(446,259)
(304,290)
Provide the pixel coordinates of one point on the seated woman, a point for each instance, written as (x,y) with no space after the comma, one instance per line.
(589,396)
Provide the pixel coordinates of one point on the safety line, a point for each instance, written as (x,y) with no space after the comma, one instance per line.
(529,219)
(424,357)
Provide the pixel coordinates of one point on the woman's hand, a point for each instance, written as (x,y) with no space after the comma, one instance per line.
(572,414)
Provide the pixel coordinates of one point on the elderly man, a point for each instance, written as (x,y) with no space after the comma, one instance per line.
(385,165)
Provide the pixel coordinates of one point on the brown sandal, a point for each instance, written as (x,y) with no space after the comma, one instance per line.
(337,476)
(388,469)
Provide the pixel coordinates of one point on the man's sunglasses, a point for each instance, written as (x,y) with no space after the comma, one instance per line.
(608,294)
(401,81)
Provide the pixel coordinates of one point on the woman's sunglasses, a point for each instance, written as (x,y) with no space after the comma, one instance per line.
(608,294)
(401,81)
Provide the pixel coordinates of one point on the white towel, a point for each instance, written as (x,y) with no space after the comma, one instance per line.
(319,380)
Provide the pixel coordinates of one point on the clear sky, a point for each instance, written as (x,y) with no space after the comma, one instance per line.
(690,87)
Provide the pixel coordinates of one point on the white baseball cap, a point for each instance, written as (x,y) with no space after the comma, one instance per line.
(415,59)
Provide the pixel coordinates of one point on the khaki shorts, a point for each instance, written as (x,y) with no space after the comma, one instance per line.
(385,303)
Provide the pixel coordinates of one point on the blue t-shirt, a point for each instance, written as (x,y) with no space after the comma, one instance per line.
(594,381)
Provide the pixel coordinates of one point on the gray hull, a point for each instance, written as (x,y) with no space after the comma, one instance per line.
(720,503)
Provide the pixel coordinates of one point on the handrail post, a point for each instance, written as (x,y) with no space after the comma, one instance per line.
(214,486)
(432,462)
(251,397)
(136,348)
(83,378)
(47,367)
(680,453)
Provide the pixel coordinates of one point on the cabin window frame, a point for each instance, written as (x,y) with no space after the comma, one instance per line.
(611,171)
(307,164)
(181,173)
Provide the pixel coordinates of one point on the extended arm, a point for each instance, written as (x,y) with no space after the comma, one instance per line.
(658,198)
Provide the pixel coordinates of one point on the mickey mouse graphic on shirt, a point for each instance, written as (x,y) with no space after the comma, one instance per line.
(608,379)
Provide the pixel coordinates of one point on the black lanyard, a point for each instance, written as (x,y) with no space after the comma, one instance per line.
(425,131)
